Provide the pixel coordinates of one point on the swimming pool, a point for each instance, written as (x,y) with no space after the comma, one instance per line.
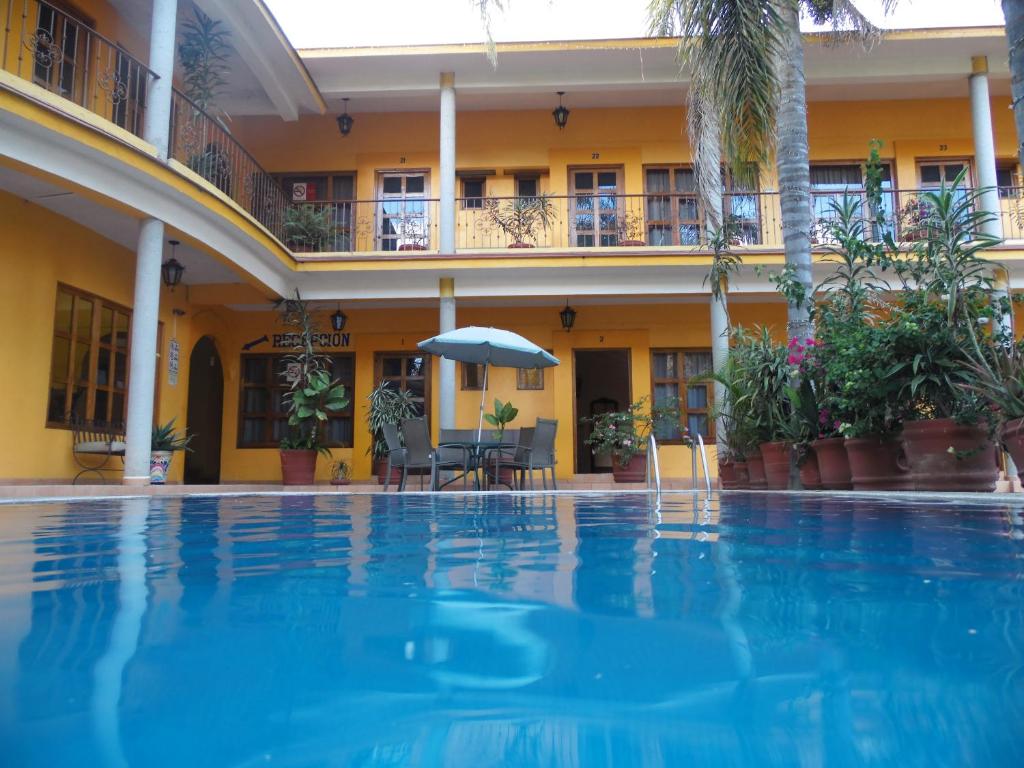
(501,630)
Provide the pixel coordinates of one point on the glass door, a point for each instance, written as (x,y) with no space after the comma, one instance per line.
(595,206)
(402,221)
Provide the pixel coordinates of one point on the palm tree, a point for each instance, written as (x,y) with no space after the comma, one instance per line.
(748,96)
(1013,11)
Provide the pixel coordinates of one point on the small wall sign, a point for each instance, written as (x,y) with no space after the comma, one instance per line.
(173,352)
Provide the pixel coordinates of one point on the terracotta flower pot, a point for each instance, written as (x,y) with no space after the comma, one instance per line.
(1013,439)
(810,474)
(298,467)
(380,469)
(521,245)
(635,470)
(755,472)
(733,475)
(631,243)
(833,464)
(878,464)
(412,247)
(776,465)
(946,456)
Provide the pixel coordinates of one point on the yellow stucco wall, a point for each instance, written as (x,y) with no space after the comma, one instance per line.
(38,249)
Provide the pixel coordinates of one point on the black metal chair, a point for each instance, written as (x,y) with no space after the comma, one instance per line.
(539,455)
(515,459)
(420,454)
(396,451)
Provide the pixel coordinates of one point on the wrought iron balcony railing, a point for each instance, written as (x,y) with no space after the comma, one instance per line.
(51,48)
(659,221)
(202,143)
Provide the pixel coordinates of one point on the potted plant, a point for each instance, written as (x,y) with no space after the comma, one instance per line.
(765,365)
(308,228)
(388,405)
(624,436)
(413,234)
(521,217)
(998,376)
(341,473)
(630,228)
(504,414)
(165,441)
(945,304)
(735,438)
(311,395)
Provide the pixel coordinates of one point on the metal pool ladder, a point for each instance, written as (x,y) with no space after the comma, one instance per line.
(653,467)
(704,464)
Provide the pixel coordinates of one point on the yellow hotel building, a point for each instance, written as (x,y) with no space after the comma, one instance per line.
(104,162)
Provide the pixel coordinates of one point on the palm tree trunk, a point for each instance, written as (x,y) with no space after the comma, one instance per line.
(1013,10)
(794,169)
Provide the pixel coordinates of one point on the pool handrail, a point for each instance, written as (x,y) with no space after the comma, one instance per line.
(653,466)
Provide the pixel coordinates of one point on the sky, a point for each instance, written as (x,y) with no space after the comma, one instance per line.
(345,23)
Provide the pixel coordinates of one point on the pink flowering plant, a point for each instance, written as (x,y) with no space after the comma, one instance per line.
(625,434)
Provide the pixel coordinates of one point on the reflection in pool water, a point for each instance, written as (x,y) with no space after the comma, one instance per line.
(511,630)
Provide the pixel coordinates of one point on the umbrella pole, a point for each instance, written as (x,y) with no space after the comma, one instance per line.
(483,396)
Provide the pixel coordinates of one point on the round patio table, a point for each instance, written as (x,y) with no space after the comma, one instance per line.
(478,450)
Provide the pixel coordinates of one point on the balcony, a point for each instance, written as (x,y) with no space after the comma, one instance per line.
(578,223)
(46,46)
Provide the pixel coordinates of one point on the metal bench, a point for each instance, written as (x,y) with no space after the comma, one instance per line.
(94,443)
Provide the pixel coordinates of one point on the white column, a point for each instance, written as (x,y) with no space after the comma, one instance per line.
(157,122)
(447,323)
(149,255)
(984,143)
(142,375)
(447,212)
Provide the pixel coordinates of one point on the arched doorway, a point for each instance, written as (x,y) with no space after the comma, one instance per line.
(205,413)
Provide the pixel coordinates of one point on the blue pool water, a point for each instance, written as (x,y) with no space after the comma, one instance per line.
(511,631)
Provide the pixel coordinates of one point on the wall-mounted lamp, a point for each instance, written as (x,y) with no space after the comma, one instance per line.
(338,320)
(171,270)
(568,316)
(561,114)
(345,120)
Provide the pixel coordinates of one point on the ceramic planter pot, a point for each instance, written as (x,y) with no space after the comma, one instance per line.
(1013,439)
(631,243)
(946,456)
(412,247)
(380,469)
(810,474)
(878,464)
(833,464)
(733,475)
(298,467)
(520,245)
(755,472)
(634,472)
(159,465)
(776,465)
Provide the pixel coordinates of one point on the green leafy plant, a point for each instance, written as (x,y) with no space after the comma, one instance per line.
(732,411)
(307,227)
(341,471)
(504,414)
(311,394)
(625,434)
(724,261)
(630,227)
(204,55)
(166,438)
(387,405)
(521,217)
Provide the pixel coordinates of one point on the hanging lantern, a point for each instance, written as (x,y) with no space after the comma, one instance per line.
(171,270)
(568,316)
(345,120)
(338,320)
(561,114)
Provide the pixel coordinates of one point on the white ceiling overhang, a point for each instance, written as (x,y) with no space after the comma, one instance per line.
(640,72)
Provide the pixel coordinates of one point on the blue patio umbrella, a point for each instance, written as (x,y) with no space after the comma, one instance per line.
(487,347)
